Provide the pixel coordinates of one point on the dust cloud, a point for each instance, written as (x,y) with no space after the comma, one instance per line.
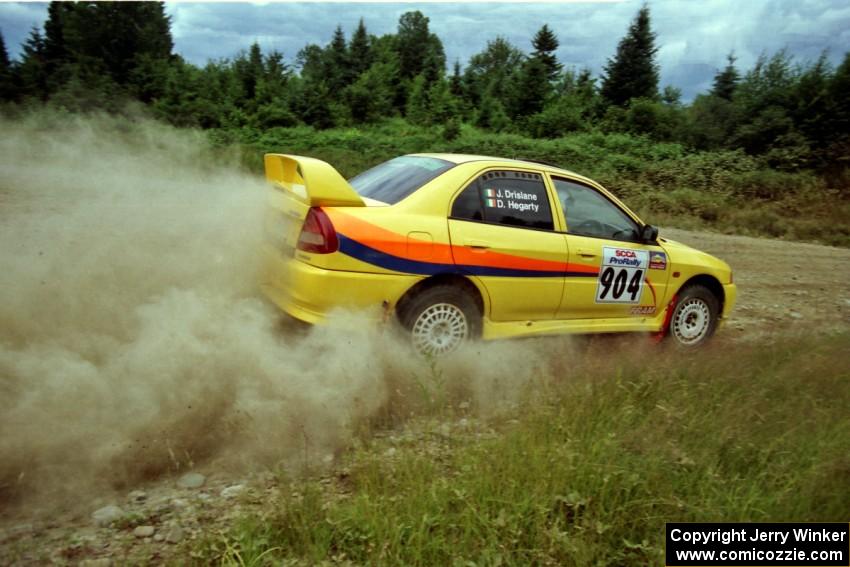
(134,343)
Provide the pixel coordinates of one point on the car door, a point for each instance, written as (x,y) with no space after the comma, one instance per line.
(631,276)
(503,231)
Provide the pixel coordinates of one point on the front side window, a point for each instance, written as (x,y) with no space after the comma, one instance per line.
(512,198)
(589,213)
(393,180)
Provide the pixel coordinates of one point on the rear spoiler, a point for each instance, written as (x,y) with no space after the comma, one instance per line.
(313,181)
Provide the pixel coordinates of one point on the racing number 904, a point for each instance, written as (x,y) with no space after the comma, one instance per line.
(621,275)
(614,280)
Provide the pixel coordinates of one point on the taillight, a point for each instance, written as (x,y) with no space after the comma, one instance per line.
(318,234)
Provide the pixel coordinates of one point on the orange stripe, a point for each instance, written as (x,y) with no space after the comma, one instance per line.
(390,242)
(409,248)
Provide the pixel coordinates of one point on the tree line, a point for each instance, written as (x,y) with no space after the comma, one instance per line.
(97,55)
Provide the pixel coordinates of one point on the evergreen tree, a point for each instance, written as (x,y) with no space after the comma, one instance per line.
(360,50)
(310,61)
(56,52)
(726,80)
(338,72)
(115,35)
(441,103)
(811,108)
(491,113)
(633,73)
(313,104)
(456,81)
(32,70)
(372,94)
(250,71)
(7,87)
(545,44)
(530,88)
(838,127)
(586,86)
(434,62)
(4,55)
(103,44)
(417,102)
(275,76)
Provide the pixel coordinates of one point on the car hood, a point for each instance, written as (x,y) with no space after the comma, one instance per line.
(682,254)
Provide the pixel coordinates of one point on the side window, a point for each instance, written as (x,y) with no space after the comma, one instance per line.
(589,213)
(512,198)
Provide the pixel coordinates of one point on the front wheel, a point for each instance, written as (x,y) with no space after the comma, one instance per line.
(695,317)
(440,319)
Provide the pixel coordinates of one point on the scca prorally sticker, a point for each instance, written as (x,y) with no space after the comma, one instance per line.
(621,275)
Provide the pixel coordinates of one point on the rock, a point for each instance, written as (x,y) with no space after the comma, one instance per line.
(390,452)
(99,562)
(163,507)
(191,480)
(106,515)
(158,537)
(144,531)
(232,491)
(795,315)
(174,535)
(137,496)
(179,504)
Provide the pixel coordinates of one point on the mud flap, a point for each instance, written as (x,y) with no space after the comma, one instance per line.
(668,316)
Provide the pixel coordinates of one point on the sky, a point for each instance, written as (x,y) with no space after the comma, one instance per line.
(693,36)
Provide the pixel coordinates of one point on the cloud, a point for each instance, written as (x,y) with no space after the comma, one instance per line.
(694,37)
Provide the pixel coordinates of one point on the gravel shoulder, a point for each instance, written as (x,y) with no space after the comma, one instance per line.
(783,287)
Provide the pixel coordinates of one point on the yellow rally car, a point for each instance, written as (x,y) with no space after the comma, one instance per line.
(463,246)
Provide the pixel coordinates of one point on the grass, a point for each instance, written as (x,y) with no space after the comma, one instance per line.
(611,444)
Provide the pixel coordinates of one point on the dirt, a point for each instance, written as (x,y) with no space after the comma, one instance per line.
(784,287)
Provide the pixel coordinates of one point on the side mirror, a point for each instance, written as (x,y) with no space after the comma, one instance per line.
(649,233)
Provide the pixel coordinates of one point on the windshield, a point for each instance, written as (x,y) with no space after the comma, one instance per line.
(393,180)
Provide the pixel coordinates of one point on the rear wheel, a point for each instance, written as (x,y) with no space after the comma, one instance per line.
(440,319)
(695,317)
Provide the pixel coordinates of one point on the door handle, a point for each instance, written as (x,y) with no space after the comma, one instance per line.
(476,244)
(586,253)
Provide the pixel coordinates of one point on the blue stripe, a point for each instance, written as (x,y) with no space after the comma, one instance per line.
(367,254)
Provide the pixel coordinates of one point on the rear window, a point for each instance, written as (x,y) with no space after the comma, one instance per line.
(393,180)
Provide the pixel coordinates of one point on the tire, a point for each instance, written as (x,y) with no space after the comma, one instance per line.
(440,319)
(695,317)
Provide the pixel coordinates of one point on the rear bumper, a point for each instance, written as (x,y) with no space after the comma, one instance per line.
(310,294)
